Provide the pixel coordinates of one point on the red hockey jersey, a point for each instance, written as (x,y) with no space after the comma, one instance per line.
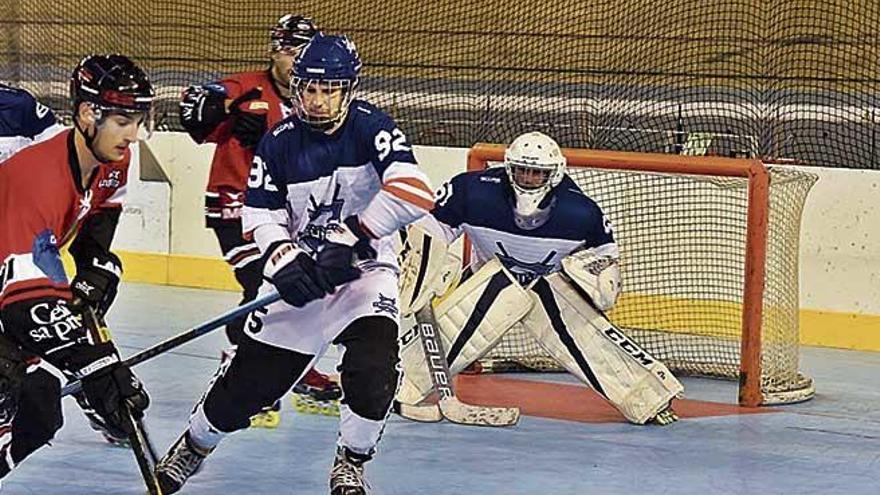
(42,205)
(232,162)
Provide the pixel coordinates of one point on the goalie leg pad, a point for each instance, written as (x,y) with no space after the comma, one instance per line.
(471,320)
(590,347)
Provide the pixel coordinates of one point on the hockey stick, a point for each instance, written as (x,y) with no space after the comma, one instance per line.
(450,407)
(144,452)
(189,335)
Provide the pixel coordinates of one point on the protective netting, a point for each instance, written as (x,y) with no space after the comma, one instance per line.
(797,79)
(683,251)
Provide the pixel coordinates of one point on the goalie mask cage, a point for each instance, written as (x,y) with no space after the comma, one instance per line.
(709,263)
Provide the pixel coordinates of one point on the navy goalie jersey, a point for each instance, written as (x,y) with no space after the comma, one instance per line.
(480,204)
(23,121)
(302,180)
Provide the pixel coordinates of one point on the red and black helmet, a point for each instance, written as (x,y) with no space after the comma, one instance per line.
(113,83)
(292,31)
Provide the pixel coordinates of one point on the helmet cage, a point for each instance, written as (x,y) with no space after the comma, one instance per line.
(530,154)
(299,87)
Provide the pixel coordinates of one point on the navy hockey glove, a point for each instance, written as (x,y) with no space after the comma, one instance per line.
(202,109)
(248,126)
(110,391)
(96,283)
(347,243)
(294,274)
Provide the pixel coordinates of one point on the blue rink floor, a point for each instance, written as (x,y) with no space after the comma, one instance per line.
(827,446)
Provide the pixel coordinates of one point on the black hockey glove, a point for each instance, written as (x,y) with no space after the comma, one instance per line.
(110,391)
(294,274)
(248,126)
(96,283)
(346,244)
(202,109)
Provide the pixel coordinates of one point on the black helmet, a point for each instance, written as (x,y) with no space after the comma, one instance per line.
(112,83)
(292,31)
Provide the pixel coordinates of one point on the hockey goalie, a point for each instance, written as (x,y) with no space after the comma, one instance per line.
(544,258)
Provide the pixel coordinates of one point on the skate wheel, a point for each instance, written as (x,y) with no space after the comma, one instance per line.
(269,420)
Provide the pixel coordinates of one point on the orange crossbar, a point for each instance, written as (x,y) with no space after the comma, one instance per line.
(756,231)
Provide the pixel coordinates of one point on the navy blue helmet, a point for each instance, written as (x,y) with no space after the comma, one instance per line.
(323,80)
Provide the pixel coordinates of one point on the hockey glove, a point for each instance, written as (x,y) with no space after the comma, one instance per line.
(96,283)
(294,274)
(346,244)
(110,391)
(248,124)
(202,109)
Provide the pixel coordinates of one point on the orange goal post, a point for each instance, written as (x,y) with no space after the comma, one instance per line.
(709,263)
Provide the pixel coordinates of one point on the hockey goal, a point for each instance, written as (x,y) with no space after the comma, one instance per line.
(709,262)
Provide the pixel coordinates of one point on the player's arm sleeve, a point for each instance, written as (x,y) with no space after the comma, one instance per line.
(265,216)
(406,194)
(95,237)
(40,123)
(450,208)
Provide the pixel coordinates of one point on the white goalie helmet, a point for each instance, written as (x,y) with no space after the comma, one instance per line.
(535,165)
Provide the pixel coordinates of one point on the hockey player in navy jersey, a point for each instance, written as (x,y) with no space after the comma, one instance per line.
(23,121)
(67,189)
(543,258)
(328,190)
(234,113)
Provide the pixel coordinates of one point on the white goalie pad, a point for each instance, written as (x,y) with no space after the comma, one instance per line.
(427,269)
(601,355)
(595,270)
(481,310)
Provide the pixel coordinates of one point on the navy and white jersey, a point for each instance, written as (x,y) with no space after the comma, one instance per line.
(480,204)
(23,121)
(302,180)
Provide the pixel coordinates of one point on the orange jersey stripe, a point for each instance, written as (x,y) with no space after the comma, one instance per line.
(409,197)
(412,182)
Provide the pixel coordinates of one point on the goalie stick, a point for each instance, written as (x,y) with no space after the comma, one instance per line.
(449,406)
(189,335)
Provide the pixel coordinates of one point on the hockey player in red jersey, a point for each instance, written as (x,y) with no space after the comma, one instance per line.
(234,113)
(67,189)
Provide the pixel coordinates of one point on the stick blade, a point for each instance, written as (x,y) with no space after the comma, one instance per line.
(423,414)
(458,412)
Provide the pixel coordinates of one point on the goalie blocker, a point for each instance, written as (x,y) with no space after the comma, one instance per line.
(564,320)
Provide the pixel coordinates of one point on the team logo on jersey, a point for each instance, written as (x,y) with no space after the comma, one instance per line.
(113,180)
(320,215)
(523,271)
(54,322)
(386,305)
